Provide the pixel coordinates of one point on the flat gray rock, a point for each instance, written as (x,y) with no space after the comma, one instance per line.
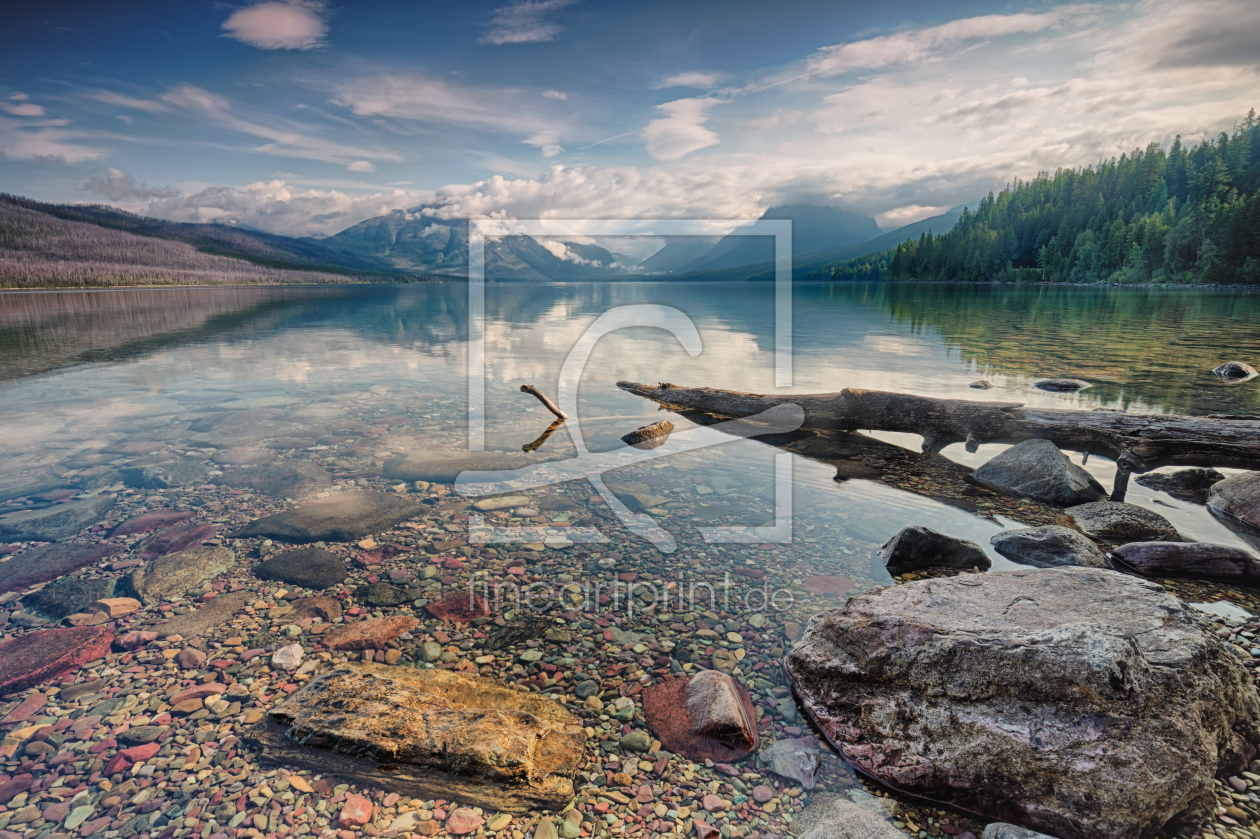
(1051,546)
(915,548)
(67,596)
(279,480)
(1116,521)
(383,594)
(313,568)
(1037,469)
(56,523)
(212,613)
(48,562)
(443,467)
(345,517)
(172,473)
(1080,701)
(174,574)
(1198,560)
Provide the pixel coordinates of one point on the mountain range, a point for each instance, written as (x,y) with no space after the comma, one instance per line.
(410,245)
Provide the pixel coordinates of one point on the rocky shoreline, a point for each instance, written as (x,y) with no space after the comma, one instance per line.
(203,604)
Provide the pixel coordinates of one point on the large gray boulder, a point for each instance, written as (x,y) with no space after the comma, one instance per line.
(1199,560)
(174,574)
(345,517)
(1037,469)
(56,523)
(443,467)
(915,547)
(1051,546)
(1237,499)
(1077,701)
(1185,484)
(1236,371)
(1115,521)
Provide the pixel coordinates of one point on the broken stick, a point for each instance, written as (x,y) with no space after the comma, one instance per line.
(547,403)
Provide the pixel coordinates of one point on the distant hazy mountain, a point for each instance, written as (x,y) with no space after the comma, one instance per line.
(813,228)
(936,224)
(678,252)
(408,241)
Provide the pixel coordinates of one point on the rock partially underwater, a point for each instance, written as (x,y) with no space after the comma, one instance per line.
(430,734)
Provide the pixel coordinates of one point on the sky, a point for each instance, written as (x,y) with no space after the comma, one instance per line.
(305,117)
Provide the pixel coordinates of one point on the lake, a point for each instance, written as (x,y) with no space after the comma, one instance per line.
(350,377)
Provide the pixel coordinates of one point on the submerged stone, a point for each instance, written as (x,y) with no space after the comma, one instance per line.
(56,523)
(706,717)
(430,734)
(174,539)
(313,568)
(279,480)
(48,562)
(38,657)
(1185,484)
(67,596)
(174,574)
(346,517)
(443,467)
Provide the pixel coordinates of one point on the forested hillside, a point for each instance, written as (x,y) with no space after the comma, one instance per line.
(1186,215)
(39,250)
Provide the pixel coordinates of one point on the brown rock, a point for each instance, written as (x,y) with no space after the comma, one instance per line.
(116,607)
(430,734)
(174,539)
(213,613)
(191,658)
(369,634)
(707,717)
(324,608)
(39,657)
(188,706)
(147,522)
(459,607)
(347,517)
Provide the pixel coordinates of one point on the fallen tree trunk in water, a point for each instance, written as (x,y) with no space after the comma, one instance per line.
(1136,442)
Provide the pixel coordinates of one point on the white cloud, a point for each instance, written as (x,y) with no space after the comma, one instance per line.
(429,101)
(109,97)
(561,251)
(681,131)
(361,166)
(117,185)
(125,118)
(692,79)
(908,214)
(26,109)
(920,44)
(44,141)
(783,116)
(524,22)
(18,97)
(547,142)
(555,94)
(289,25)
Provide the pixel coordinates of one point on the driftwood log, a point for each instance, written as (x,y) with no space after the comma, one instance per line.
(1136,442)
(547,403)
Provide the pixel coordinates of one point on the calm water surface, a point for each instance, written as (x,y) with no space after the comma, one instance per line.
(81,373)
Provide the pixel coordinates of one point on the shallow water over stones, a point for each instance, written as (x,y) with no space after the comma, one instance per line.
(332,421)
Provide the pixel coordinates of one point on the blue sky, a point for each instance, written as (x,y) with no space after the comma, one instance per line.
(305,117)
